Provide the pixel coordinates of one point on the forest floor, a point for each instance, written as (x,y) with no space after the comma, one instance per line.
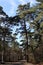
(20,63)
(33,64)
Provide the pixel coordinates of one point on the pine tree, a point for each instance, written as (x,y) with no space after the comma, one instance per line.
(34,14)
(5,31)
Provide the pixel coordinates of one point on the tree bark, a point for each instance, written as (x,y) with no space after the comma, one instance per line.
(2,56)
(27,57)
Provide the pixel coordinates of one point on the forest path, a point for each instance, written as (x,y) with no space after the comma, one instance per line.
(20,63)
(17,64)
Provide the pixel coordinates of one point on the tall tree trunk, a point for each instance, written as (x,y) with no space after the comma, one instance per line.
(33,51)
(2,56)
(2,53)
(3,49)
(27,57)
(9,55)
